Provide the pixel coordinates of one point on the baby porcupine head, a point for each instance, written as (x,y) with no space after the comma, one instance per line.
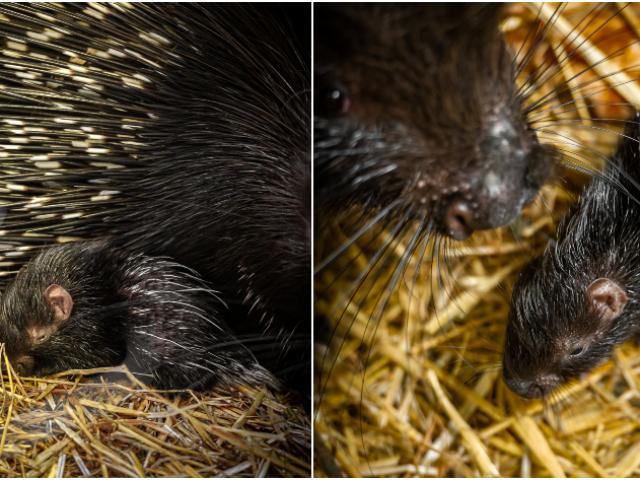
(560,328)
(418,103)
(61,312)
(574,304)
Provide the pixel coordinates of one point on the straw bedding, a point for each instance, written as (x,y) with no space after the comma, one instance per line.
(112,426)
(414,388)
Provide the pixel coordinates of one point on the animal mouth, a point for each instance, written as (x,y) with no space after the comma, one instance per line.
(538,387)
(24,364)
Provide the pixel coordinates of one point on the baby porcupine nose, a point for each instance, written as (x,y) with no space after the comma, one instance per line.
(459,219)
(24,364)
(537,387)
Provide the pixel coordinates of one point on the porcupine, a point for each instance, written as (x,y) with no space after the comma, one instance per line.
(416,107)
(177,130)
(420,124)
(576,302)
(88,305)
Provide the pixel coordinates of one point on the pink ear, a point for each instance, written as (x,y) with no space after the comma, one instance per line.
(60,301)
(608,298)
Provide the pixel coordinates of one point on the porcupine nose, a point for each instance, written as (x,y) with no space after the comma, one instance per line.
(516,166)
(24,364)
(459,219)
(538,387)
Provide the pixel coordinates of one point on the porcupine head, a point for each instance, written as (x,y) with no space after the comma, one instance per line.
(61,312)
(572,305)
(416,106)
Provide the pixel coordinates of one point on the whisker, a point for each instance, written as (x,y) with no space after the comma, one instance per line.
(576,33)
(539,38)
(357,285)
(576,50)
(351,240)
(378,311)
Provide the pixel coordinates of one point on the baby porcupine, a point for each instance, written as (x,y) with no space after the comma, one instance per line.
(176,129)
(87,305)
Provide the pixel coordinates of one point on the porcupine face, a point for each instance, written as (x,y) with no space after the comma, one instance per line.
(561,328)
(555,332)
(418,103)
(574,304)
(58,315)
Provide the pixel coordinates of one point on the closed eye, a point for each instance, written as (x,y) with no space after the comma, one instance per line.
(577,351)
(40,334)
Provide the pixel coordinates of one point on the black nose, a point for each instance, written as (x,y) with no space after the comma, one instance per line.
(458,220)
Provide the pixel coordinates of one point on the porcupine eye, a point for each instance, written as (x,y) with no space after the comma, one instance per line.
(577,351)
(40,338)
(334,100)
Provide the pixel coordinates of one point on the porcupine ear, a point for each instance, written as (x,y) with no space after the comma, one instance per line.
(608,299)
(60,302)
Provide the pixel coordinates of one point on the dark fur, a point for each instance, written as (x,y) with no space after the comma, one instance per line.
(434,112)
(233,200)
(149,312)
(549,312)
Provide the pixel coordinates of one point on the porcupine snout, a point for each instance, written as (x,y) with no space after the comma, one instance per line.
(537,387)
(515,167)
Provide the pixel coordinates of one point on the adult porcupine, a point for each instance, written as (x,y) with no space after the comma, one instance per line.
(179,130)
(417,115)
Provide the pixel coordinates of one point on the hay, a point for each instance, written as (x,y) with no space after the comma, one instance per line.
(418,391)
(74,425)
